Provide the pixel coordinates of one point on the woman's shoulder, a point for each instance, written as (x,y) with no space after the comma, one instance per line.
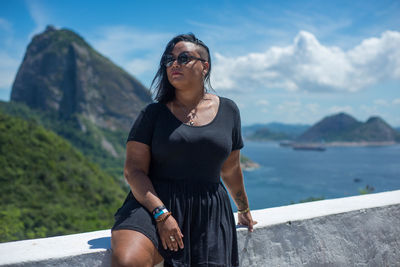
(229,103)
(152,109)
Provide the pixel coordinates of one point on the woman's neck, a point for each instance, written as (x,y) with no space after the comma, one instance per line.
(189,98)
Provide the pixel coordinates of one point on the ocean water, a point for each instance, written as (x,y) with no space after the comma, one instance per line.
(286,175)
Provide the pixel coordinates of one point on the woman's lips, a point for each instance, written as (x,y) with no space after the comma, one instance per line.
(174,73)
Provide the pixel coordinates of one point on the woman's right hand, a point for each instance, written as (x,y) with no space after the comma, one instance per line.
(170,234)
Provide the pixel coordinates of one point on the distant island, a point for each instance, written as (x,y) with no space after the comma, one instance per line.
(344,130)
(336,130)
(247,164)
(274,131)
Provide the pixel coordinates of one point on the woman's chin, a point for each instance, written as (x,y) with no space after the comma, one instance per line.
(177,83)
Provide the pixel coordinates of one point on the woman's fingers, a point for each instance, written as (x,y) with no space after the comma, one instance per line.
(170,234)
(179,239)
(169,242)
(172,244)
(246,219)
(164,244)
(250,226)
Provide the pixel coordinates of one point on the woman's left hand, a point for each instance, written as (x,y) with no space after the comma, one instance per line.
(247,220)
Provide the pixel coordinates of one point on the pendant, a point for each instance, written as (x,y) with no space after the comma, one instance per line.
(191,123)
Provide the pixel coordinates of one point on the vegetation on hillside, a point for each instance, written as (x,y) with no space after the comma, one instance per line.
(47,187)
(274,131)
(264,134)
(88,141)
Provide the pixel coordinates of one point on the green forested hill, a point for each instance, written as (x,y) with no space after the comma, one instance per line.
(87,141)
(47,187)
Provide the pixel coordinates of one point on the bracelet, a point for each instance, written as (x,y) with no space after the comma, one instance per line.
(158,209)
(164,217)
(160,213)
(244,211)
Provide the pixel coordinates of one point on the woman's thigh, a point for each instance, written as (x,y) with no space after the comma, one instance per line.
(132,248)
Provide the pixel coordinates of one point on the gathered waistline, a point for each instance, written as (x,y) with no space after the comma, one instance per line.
(185,181)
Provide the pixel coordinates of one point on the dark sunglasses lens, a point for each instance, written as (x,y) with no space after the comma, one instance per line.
(168,61)
(183,59)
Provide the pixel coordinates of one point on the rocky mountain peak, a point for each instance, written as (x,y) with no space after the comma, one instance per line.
(375,119)
(62,73)
(50,28)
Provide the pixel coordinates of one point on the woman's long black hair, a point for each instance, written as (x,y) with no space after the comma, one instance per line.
(164,91)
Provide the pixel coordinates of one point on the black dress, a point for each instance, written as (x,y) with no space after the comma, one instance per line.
(185,170)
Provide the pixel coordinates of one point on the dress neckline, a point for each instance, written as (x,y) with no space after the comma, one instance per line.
(193,126)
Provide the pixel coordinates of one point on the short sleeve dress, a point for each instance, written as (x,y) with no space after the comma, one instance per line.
(185,171)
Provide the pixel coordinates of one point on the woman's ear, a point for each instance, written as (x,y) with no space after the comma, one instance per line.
(206,67)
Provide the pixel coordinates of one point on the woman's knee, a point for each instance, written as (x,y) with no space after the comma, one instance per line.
(130,259)
(131,248)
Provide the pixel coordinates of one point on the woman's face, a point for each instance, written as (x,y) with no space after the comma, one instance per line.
(191,74)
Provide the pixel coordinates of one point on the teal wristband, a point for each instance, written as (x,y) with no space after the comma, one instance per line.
(160,213)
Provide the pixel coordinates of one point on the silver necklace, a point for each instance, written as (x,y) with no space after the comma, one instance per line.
(192,114)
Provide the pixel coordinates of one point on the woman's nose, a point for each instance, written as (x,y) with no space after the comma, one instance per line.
(175,63)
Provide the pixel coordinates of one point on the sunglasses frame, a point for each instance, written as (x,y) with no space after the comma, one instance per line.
(182,59)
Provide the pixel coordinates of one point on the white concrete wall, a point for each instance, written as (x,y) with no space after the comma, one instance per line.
(354,231)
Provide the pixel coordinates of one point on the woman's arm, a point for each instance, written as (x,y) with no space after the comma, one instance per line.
(232,176)
(138,156)
(136,168)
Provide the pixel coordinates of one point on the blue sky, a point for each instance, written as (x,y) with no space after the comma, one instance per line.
(286,61)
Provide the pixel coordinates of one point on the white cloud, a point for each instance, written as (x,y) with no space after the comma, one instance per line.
(39,14)
(140,66)
(8,69)
(290,106)
(368,109)
(262,102)
(6,34)
(381,102)
(313,108)
(396,101)
(121,41)
(240,104)
(135,50)
(295,111)
(10,55)
(337,109)
(310,66)
(5,25)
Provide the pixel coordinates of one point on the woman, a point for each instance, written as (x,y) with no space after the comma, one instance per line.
(177,150)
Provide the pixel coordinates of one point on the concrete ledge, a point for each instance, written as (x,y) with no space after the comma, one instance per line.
(86,249)
(353,231)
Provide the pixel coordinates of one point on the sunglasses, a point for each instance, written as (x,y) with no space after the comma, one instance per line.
(183,58)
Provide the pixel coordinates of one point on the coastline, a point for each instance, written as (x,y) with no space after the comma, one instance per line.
(339,144)
(249,166)
(360,144)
